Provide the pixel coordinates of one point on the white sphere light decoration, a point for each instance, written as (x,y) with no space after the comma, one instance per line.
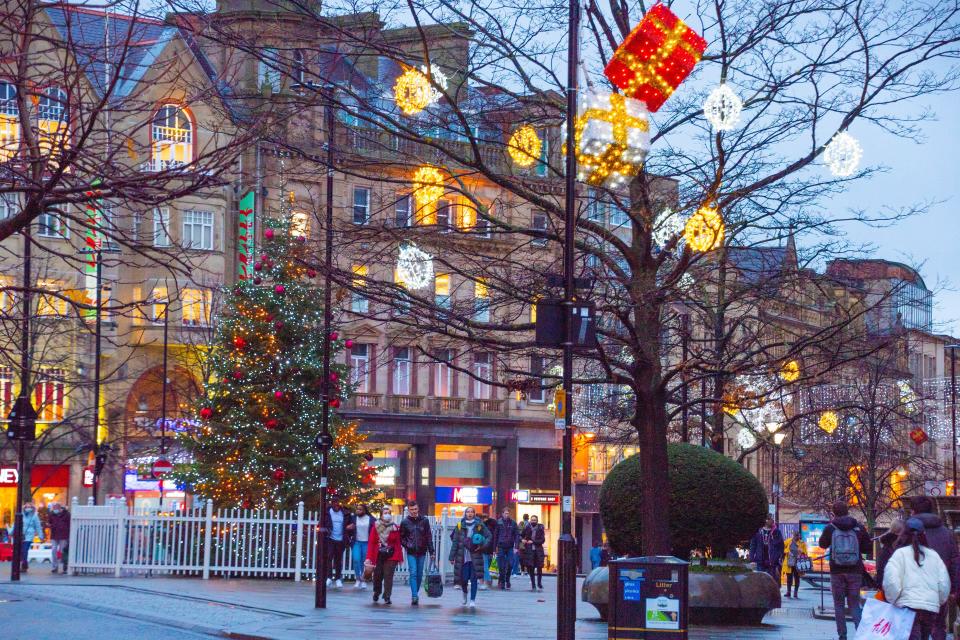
(414,267)
(746,439)
(843,155)
(722,108)
(668,225)
(439,79)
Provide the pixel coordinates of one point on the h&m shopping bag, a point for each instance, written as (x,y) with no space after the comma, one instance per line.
(883,621)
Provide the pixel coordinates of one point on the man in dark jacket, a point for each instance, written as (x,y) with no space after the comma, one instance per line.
(417,538)
(944,542)
(766,549)
(335,521)
(846,541)
(505,538)
(59,520)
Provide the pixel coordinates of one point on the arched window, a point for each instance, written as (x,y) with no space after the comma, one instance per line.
(53,121)
(172,138)
(9,121)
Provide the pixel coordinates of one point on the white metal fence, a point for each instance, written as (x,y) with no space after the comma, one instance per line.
(202,541)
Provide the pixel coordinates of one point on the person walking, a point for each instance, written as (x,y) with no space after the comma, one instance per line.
(846,540)
(518,565)
(359,531)
(417,538)
(489,553)
(888,544)
(916,578)
(766,549)
(466,553)
(336,521)
(533,539)
(793,549)
(595,554)
(385,552)
(59,520)
(32,528)
(944,542)
(504,540)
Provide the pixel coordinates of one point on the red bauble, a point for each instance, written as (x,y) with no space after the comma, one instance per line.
(333,336)
(257,266)
(348,344)
(239,342)
(279,475)
(278,325)
(278,394)
(257,280)
(301,238)
(268,234)
(206,413)
(279,289)
(333,377)
(271,423)
(311,273)
(264,257)
(335,402)
(238,375)
(245,504)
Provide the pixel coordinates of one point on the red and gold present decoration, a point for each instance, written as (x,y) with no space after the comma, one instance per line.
(919,436)
(656,57)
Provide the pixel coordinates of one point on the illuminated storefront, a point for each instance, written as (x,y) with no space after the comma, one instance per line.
(48,483)
(546,506)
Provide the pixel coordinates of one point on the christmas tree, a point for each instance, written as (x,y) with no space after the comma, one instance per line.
(261,413)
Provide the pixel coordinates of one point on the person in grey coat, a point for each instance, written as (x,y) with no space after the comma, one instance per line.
(466,553)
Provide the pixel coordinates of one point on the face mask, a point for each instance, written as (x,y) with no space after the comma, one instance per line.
(56,510)
(387,517)
(28,511)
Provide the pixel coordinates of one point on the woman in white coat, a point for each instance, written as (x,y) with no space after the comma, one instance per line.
(916,578)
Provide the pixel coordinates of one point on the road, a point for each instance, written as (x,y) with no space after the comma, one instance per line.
(37,620)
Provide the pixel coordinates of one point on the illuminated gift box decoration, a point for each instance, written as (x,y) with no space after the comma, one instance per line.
(919,436)
(612,135)
(656,57)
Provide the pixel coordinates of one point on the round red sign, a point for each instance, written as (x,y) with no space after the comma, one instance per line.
(161,468)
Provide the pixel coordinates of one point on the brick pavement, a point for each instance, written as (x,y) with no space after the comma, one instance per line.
(283,610)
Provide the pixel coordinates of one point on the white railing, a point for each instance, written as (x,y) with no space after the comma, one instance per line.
(202,541)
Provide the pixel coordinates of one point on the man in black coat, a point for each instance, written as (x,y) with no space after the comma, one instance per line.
(944,542)
(59,520)
(417,538)
(505,539)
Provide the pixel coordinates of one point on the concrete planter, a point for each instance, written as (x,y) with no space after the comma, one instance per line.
(715,598)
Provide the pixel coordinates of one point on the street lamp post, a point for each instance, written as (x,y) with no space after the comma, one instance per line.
(953,408)
(778,437)
(97,333)
(163,399)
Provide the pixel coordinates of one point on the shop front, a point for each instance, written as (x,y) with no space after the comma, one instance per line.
(545,505)
(143,492)
(48,483)
(465,476)
(394,478)
(456,499)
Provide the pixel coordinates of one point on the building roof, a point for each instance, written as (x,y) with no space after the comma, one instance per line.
(874,269)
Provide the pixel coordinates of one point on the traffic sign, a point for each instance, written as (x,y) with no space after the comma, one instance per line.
(560,403)
(161,468)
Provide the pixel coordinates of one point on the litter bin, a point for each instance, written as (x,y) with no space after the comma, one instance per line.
(648,598)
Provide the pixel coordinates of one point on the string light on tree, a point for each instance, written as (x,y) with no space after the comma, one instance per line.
(843,155)
(704,230)
(414,267)
(722,108)
(428,185)
(412,91)
(525,146)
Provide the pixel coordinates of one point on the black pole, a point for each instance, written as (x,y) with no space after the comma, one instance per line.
(96,371)
(24,397)
(684,391)
(953,409)
(321,560)
(703,412)
(567,579)
(163,399)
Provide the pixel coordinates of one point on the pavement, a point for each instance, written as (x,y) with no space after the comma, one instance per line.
(271,609)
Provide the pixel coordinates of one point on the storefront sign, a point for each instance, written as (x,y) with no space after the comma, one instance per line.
(88,476)
(544,498)
(463,495)
(245,237)
(519,495)
(41,475)
(133,483)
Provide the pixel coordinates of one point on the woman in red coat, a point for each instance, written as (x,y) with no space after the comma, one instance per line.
(384,553)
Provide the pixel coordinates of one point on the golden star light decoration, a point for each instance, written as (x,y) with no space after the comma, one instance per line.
(413,92)
(525,146)
(612,134)
(427,185)
(704,230)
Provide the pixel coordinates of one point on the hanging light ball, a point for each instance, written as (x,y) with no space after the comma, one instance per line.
(843,155)
(722,108)
(829,421)
(669,224)
(746,439)
(412,91)
(790,371)
(414,267)
(439,81)
(427,185)
(704,230)
(525,146)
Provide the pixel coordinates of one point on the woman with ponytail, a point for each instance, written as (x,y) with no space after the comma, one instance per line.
(916,578)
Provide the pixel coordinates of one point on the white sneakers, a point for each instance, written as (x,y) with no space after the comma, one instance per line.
(473,604)
(483,586)
(339,584)
(359,586)
(329,582)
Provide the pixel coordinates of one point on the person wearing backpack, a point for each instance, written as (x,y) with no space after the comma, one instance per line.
(845,541)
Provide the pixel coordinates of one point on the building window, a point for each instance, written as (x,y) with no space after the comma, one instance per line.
(158,305)
(52,225)
(161,227)
(196,305)
(198,230)
(9,122)
(8,205)
(445,214)
(8,302)
(299,67)
(543,165)
(538,365)
(401,371)
(171,138)
(267,71)
(49,304)
(299,224)
(443,374)
(108,226)
(539,227)
(49,396)
(483,372)
(360,368)
(6,391)
(481,222)
(402,211)
(52,119)
(481,301)
(361,205)
(442,290)
(359,302)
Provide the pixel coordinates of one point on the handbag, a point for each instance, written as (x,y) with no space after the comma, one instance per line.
(433,585)
(804,564)
(384,552)
(883,621)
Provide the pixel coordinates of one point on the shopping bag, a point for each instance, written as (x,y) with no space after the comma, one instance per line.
(434,582)
(883,621)
(804,564)
(494,568)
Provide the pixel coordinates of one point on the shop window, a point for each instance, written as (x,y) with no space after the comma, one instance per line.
(359,302)
(49,396)
(198,230)
(171,138)
(6,391)
(402,210)
(481,301)
(161,227)
(538,364)
(443,374)
(482,371)
(196,305)
(299,224)
(49,304)
(442,290)
(53,134)
(360,367)
(361,205)
(9,122)
(401,371)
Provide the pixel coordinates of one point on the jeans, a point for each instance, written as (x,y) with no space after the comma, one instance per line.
(59,547)
(923,625)
(486,566)
(415,566)
(515,563)
(845,588)
(25,554)
(468,574)
(335,553)
(383,578)
(505,564)
(793,578)
(358,552)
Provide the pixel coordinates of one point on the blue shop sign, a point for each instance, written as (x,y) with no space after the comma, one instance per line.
(463,495)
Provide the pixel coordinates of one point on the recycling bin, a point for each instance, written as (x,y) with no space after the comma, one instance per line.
(648,598)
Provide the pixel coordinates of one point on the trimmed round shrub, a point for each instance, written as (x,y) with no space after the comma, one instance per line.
(714,502)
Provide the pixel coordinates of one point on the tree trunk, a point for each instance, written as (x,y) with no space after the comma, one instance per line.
(651,425)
